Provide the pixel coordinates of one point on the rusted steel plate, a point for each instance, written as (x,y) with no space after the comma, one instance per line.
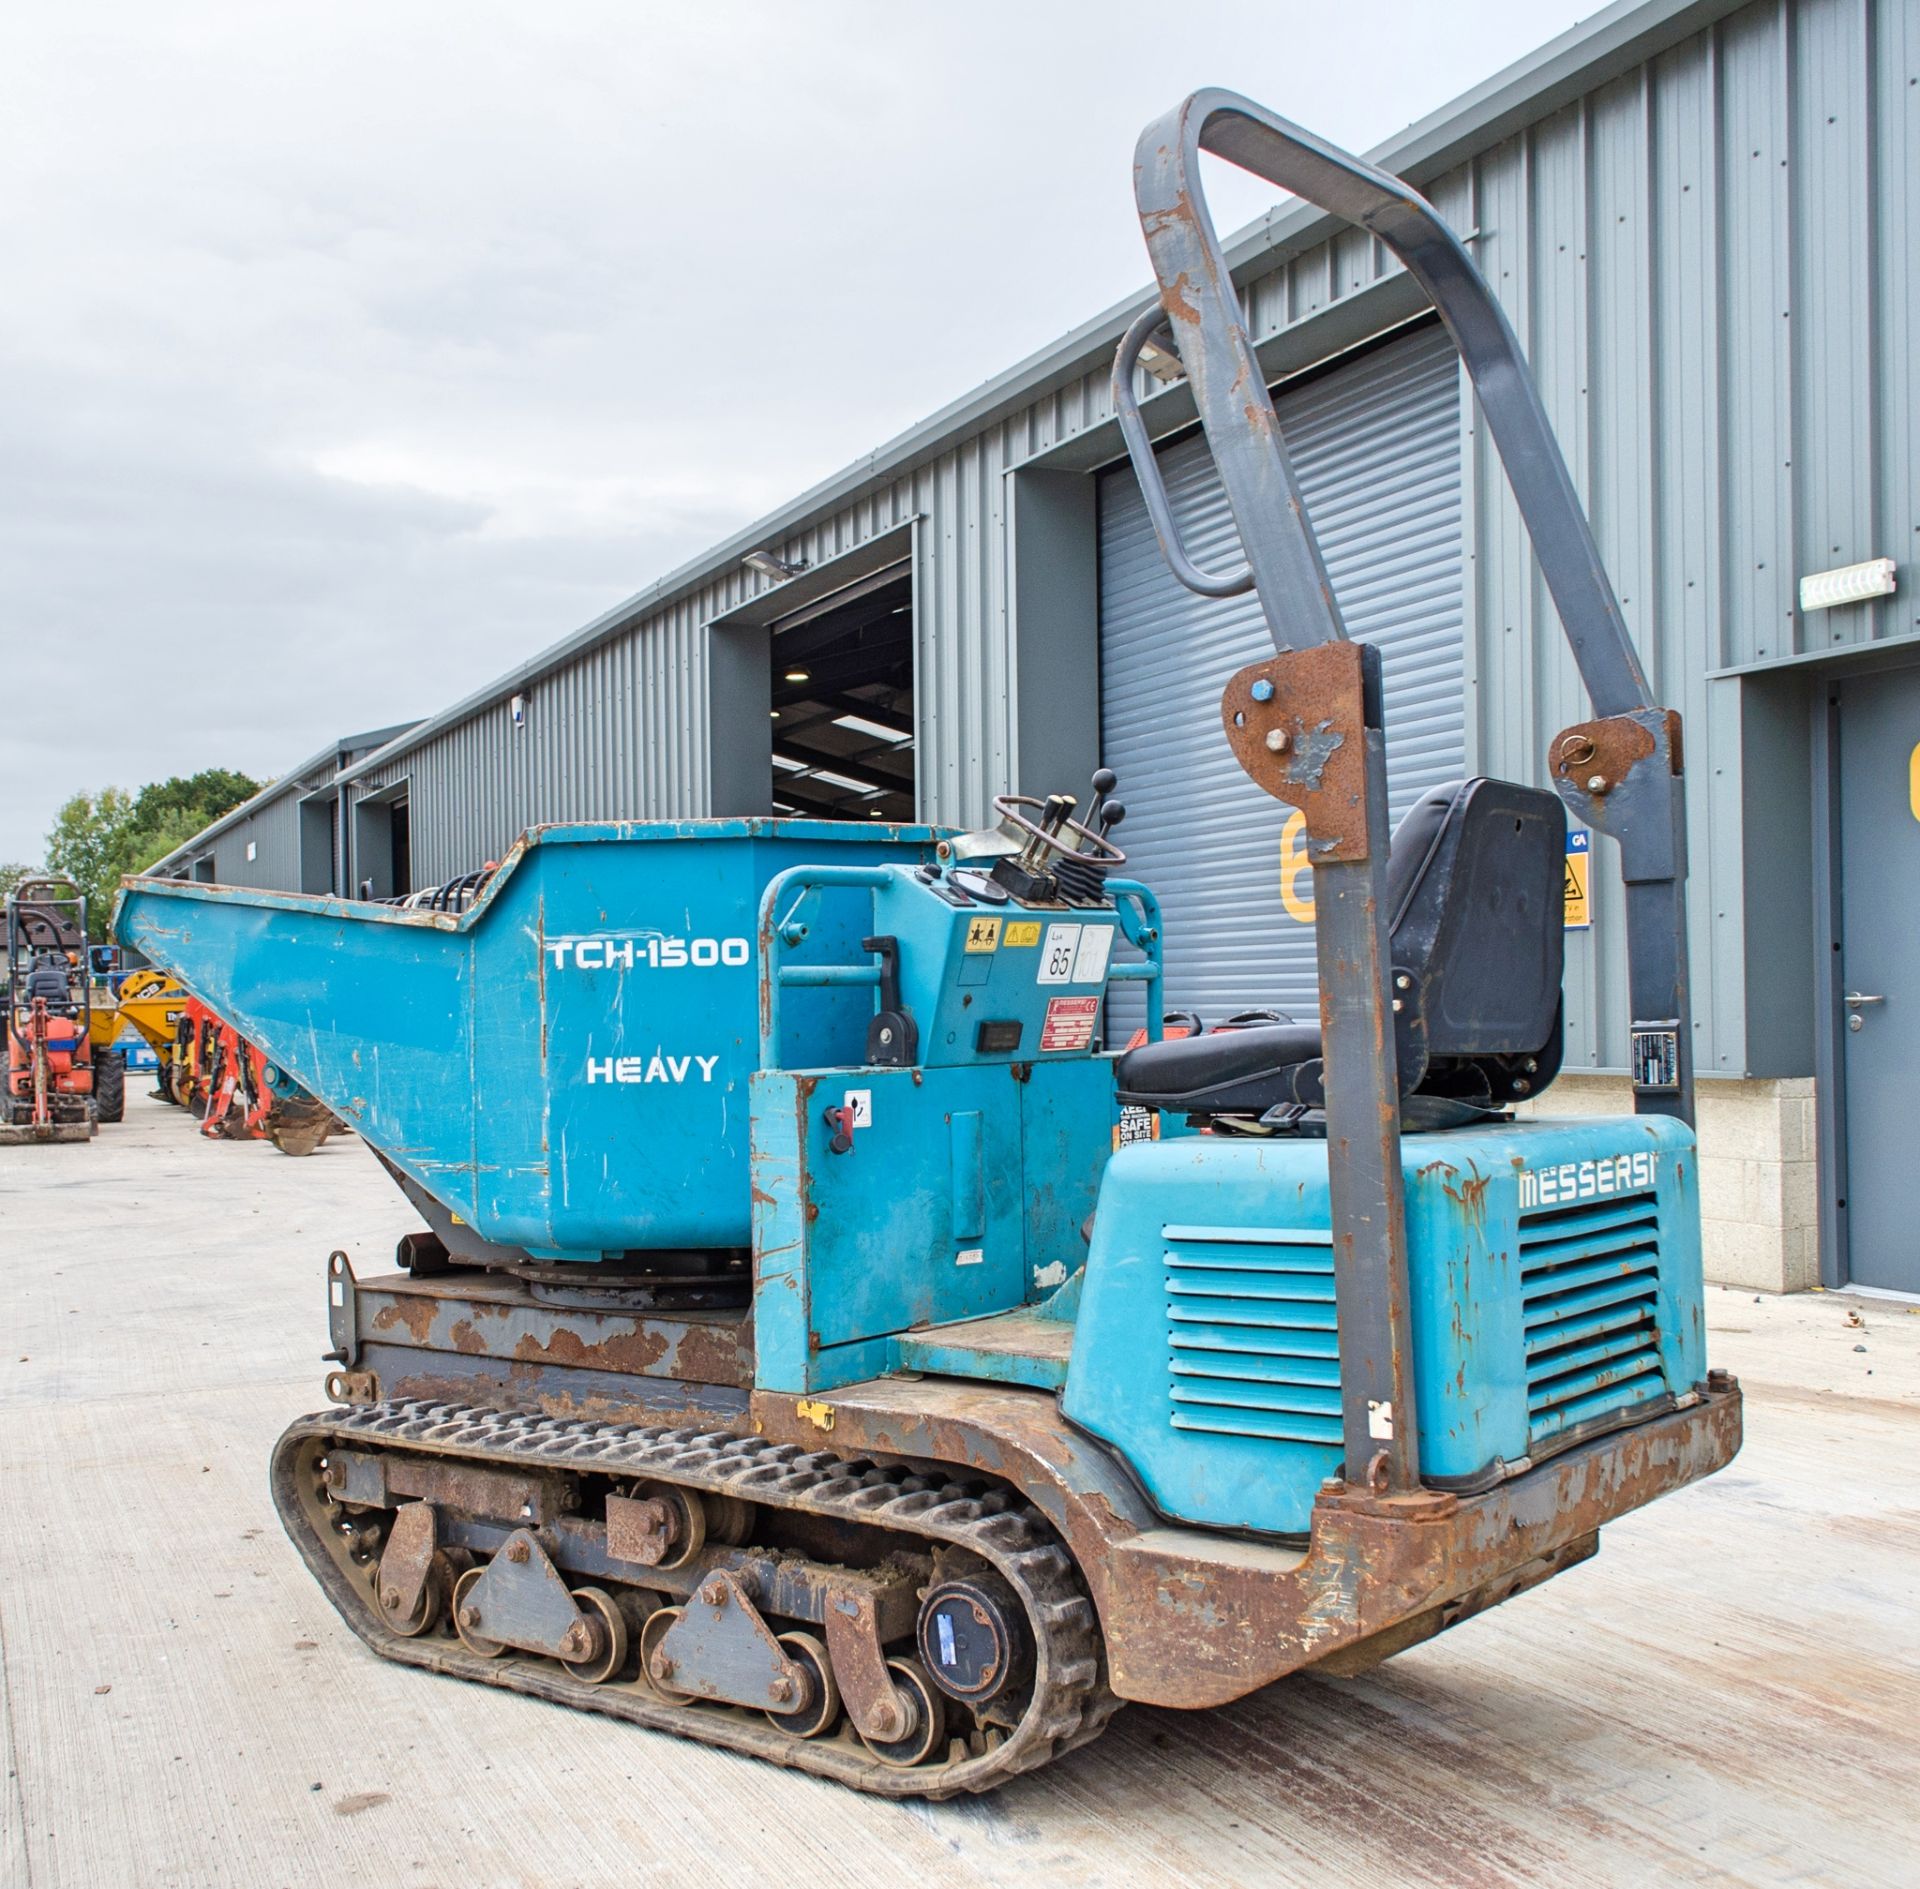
(1296,722)
(860,1662)
(407,1560)
(1595,756)
(501,1318)
(1197,1619)
(640,1530)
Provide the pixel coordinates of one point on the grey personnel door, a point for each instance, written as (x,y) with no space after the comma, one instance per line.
(1376,444)
(1880,972)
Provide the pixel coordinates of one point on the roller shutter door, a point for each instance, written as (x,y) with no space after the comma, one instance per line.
(1376,447)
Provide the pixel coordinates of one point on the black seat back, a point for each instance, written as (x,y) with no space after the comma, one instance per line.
(1476,901)
(1476,905)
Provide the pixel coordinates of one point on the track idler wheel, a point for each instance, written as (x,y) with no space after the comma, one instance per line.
(821,1706)
(926,1716)
(973,1638)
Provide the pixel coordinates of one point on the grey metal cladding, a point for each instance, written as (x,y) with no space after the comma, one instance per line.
(1710,261)
(1376,447)
(1709,258)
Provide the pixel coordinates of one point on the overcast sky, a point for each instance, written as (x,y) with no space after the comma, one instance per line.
(349,354)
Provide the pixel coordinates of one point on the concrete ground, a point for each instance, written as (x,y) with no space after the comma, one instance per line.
(1729,1692)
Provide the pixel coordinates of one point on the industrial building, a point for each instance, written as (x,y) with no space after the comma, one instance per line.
(289,836)
(1698,217)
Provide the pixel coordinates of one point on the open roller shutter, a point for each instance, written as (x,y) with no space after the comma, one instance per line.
(1376,447)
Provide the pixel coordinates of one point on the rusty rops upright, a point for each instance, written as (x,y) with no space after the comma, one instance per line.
(818,1345)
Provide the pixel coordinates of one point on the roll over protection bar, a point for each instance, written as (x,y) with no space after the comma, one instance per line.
(1619,773)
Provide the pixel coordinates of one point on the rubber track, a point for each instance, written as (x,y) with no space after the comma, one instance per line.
(1070,1704)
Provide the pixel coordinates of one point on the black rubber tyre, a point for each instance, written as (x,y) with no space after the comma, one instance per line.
(110,1085)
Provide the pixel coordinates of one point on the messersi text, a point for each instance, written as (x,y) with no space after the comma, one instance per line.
(647,950)
(1571,1181)
(654,1068)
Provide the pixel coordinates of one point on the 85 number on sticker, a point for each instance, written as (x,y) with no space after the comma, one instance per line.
(1061,947)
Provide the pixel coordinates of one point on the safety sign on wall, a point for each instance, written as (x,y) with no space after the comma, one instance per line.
(1579,864)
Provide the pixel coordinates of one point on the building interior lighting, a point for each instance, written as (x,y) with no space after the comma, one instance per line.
(878,730)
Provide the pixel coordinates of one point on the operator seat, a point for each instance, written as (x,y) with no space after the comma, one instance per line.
(49,979)
(1476,910)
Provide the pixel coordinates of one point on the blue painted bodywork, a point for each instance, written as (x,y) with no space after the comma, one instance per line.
(556,1101)
(1555,1275)
(965,1197)
(635,1040)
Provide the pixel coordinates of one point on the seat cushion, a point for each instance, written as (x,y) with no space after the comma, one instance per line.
(1226,1071)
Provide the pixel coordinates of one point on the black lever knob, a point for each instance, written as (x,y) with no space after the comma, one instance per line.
(1105,780)
(1111,815)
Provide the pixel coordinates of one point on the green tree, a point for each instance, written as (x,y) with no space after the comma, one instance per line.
(88,843)
(199,798)
(98,837)
(11,873)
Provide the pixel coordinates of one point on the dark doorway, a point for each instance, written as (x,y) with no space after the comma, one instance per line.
(402,849)
(842,699)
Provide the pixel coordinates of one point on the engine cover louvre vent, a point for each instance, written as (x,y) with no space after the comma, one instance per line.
(1252,1349)
(1590,1283)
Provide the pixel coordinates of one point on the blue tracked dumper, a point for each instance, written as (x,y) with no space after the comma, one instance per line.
(817,1344)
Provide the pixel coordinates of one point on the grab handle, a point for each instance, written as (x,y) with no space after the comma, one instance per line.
(1200,301)
(1146,468)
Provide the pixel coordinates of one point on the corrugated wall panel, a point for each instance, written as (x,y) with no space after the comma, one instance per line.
(1710,264)
(1376,445)
(1710,261)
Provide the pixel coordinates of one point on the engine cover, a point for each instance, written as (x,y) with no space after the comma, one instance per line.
(1556,1291)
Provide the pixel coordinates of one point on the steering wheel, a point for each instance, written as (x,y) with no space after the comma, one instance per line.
(1008,806)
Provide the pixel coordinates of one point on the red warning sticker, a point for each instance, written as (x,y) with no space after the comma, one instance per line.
(1069,1023)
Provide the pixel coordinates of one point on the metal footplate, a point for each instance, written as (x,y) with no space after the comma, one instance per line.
(672,1578)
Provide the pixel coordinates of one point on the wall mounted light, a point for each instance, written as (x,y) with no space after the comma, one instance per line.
(518,710)
(1852,583)
(770,565)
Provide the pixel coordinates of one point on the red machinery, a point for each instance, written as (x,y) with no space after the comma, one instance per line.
(49,1093)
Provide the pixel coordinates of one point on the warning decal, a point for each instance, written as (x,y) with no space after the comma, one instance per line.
(1019,931)
(1069,1023)
(1579,863)
(983,934)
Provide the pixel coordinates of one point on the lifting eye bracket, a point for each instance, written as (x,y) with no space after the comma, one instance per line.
(343,1321)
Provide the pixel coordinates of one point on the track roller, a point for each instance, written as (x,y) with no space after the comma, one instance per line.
(466,1618)
(817,1712)
(926,1712)
(610,1631)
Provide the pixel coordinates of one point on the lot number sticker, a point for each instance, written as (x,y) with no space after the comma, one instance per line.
(1090,961)
(1057,955)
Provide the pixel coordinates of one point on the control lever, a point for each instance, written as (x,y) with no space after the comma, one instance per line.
(1046,834)
(840,1119)
(893,1039)
(1105,780)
